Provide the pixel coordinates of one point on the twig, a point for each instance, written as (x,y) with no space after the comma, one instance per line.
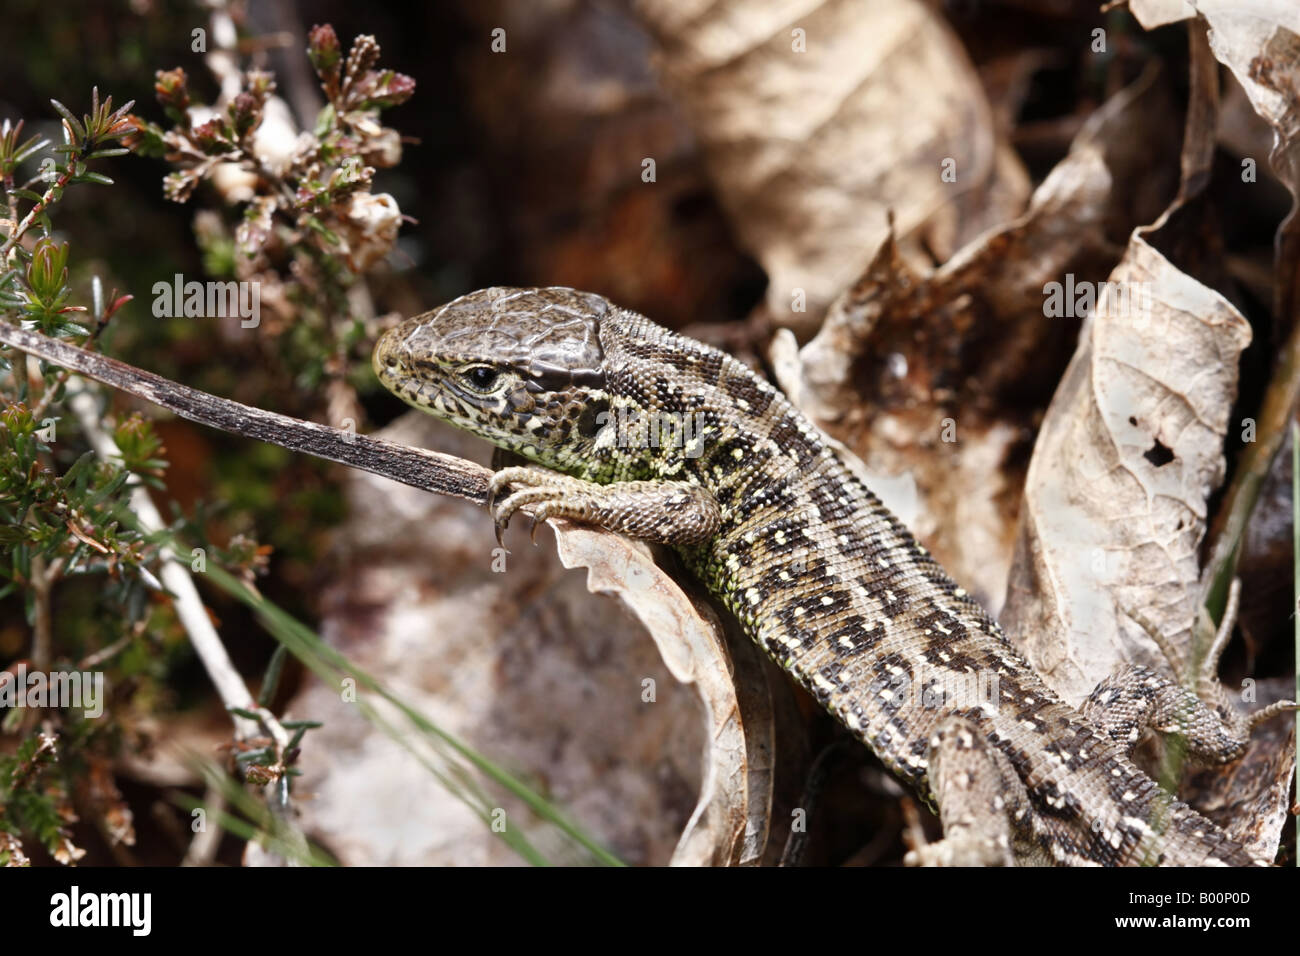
(104,653)
(193,615)
(203,849)
(189,606)
(417,467)
(32,214)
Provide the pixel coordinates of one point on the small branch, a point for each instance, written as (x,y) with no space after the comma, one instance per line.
(176,577)
(417,467)
(104,653)
(203,849)
(37,209)
(43,638)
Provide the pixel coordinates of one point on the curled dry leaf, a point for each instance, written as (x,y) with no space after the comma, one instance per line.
(818,118)
(1249,798)
(731,819)
(1115,501)
(1259,41)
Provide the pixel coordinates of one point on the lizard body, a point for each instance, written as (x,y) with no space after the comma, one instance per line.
(648,432)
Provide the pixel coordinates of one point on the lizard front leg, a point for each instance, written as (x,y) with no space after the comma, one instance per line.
(666,512)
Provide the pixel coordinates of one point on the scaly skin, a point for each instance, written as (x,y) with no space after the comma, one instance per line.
(816,569)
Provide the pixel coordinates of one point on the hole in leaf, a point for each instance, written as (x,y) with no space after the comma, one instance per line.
(1158,454)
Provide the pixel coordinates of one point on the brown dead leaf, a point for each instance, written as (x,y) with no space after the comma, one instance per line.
(730,821)
(1115,501)
(818,118)
(1259,41)
(1249,798)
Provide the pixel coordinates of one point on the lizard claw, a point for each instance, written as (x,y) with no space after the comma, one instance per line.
(539,518)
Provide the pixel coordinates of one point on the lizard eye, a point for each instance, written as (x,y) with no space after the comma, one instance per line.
(481,377)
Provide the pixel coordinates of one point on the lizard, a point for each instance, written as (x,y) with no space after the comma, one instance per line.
(636,429)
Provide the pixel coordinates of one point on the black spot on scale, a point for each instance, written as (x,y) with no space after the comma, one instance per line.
(776,647)
(890,686)
(725,494)
(830,685)
(593,416)
(779,498)
(790,439)
(831,506)
(940,627)
(732,454)
(678,359)
(669,398)
(855,637)
(710,364)
(736,546)
(782,577)
(791,623)
(782,642)
(744,388)
(1050,801)
(892,594)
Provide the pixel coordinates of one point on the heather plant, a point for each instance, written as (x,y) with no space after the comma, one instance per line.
(101,576)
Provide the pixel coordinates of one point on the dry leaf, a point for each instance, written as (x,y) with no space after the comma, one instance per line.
(818,118)
(1259,41)
(1115,502)
(731,820)
(1249,799)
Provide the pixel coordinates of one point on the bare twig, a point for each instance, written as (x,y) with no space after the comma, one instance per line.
(203,849)
(189,606)
(427,470)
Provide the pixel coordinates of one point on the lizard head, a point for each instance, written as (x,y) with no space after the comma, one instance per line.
(522,368)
